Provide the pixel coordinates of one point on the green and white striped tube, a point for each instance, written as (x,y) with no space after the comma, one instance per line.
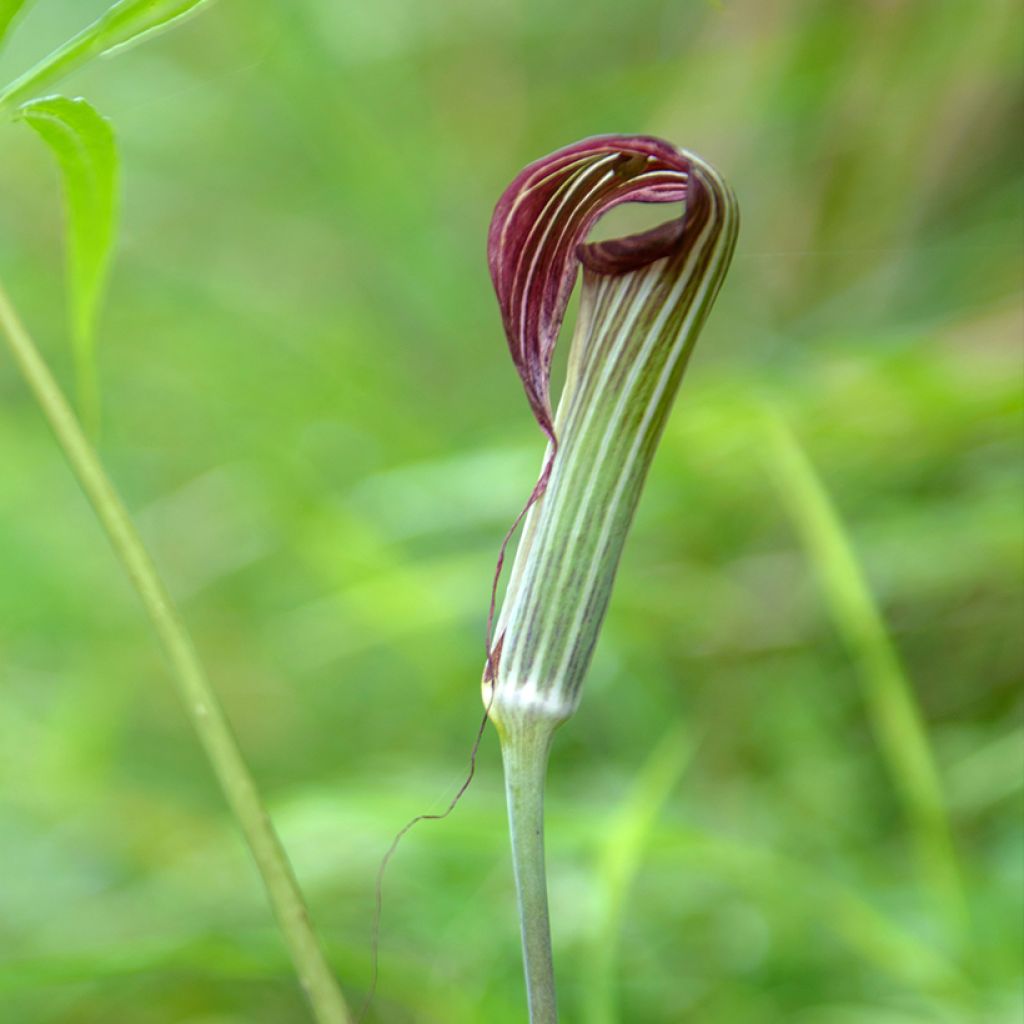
(634,336)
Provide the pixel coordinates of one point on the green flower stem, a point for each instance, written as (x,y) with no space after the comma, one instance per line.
(524,749)
(199,699)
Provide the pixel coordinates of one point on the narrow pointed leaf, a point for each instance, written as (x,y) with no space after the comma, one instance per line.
(643,302)
(124,24)
(83,143)
(9,9)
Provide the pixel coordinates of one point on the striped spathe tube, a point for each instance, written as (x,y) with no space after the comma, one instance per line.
(643,302)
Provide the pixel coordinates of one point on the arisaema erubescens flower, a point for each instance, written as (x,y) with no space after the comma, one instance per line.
(643,302)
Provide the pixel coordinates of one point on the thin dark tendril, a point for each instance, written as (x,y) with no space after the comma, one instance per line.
(490,674)
(379,888)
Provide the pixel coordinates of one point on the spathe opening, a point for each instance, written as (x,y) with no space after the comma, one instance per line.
(633,219)
(636,240)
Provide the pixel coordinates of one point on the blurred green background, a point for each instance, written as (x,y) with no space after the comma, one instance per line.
(309,404)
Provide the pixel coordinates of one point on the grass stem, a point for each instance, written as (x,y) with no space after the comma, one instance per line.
(200,701)
(901,733)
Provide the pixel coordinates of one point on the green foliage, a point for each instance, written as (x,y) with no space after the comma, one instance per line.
(308,396)
(83,144)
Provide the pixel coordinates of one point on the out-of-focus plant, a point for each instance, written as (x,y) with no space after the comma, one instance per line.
(643,302)
(83,143)
(901,734)
(84,146)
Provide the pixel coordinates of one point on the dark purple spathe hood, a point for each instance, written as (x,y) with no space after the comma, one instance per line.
(535,241)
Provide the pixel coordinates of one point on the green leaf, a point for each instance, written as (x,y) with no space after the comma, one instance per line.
(130,21)
(9,9)
(124,24)
(83,143)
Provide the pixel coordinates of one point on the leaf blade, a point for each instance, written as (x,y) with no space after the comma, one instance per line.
(82,142)
(130,21)
(125,23)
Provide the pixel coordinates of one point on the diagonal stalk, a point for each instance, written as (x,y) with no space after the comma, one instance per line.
(524,750)
(200,701)
(900,730)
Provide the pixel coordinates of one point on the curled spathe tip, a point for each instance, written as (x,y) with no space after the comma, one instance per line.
(536,240)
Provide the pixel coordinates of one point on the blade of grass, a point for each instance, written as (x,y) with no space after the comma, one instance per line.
(626,836)
(200,701)
(896,718)
(83,143)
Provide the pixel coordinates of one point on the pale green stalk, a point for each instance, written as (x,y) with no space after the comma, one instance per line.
(525,746)
(200,701)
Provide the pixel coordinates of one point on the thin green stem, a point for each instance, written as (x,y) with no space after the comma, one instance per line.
(901,732)
(75,51)
(199,699)
(524,750)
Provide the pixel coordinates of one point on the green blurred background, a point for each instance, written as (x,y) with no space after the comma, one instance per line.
(309,404)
